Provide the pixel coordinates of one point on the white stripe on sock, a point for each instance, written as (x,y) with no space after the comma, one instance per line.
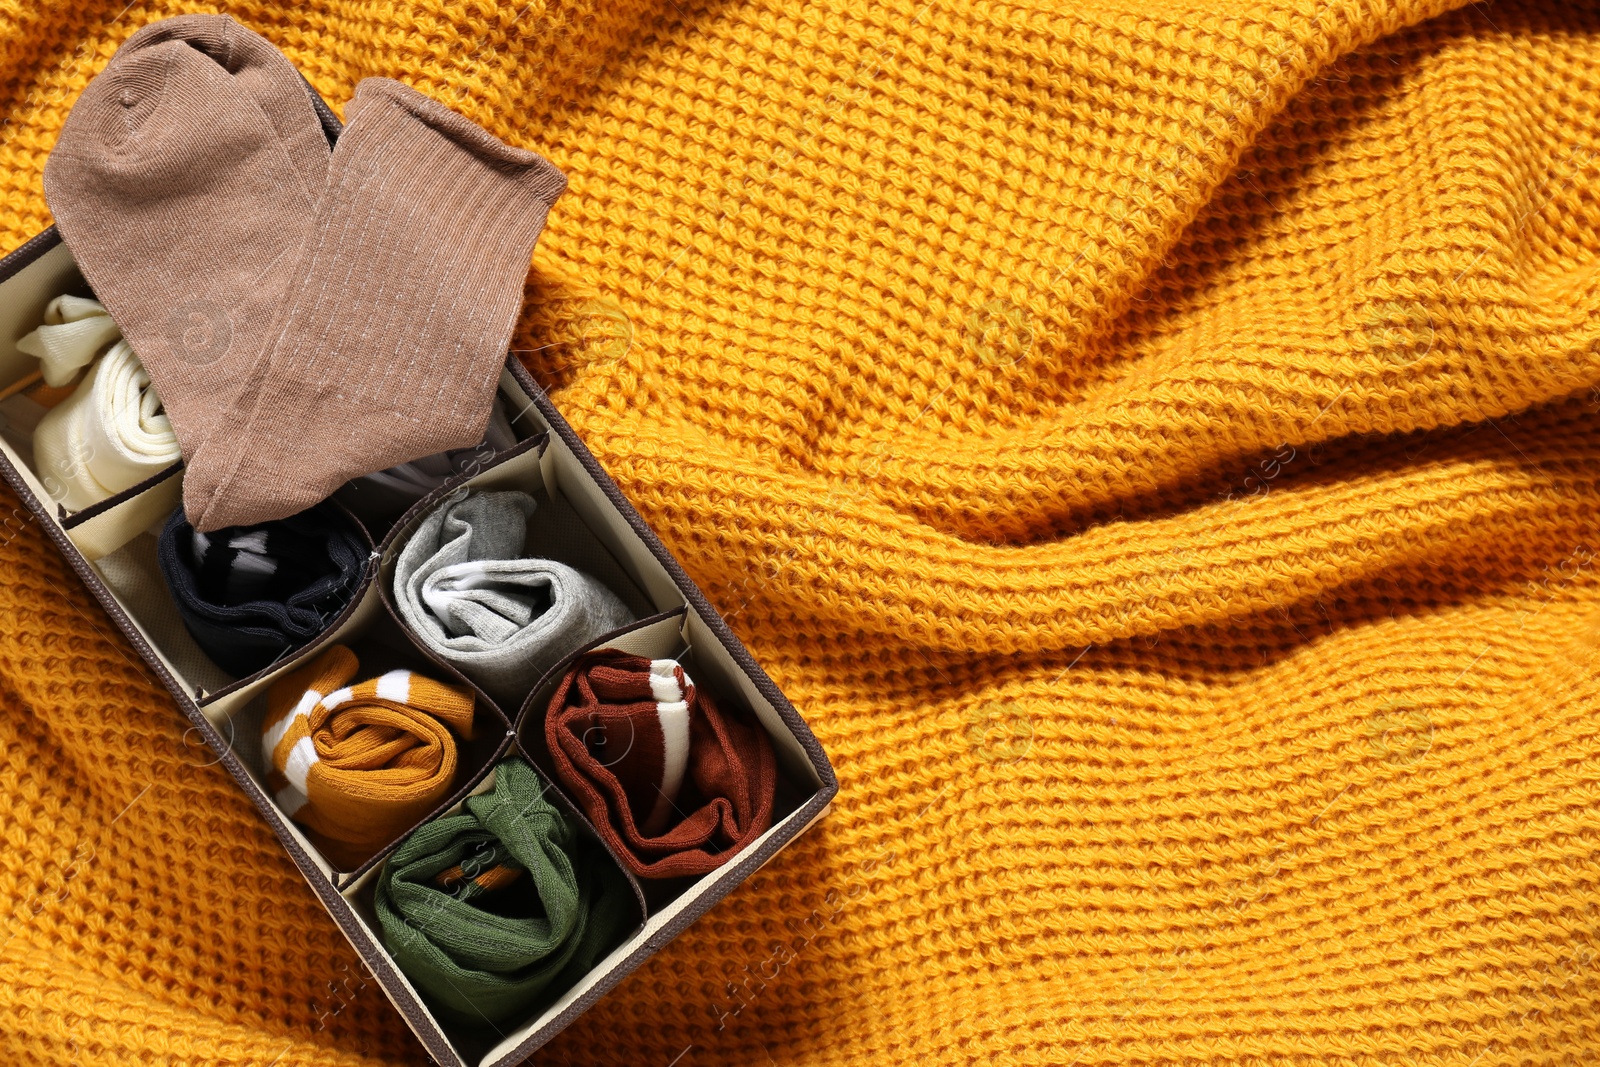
(290,799)
(664,681)
(672,712)
(274,734)
(302,757)
(254,541)
(395,686)
(256,565)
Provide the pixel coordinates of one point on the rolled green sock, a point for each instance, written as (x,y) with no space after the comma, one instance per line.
(500,908)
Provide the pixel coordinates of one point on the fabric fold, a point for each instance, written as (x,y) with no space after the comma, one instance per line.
(359,764)
(462,587)
(111,432)
(250,594)
(500,908)
(75,330)
(675,784)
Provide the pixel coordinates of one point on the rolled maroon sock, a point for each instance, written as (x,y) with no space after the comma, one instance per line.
(672,782)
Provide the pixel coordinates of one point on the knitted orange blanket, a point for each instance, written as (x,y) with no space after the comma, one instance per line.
(1156,444)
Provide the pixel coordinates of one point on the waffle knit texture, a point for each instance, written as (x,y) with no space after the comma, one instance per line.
(502,906)
(1155,444)
(358,763)
(250,595)
(671,780)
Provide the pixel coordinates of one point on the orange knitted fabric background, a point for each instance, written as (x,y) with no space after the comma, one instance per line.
(1157,445)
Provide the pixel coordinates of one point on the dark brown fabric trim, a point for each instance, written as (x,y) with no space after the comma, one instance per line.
(74,519)
(30,250)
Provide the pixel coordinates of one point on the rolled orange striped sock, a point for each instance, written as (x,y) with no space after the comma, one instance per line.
(359,765)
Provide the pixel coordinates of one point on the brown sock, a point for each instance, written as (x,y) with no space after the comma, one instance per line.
(183,182)
(390,343)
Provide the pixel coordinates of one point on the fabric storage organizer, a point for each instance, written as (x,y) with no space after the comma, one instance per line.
(585,520)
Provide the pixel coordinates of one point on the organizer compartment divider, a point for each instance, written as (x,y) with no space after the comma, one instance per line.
(479,780)
(100,530)
(359,890)
(356,619)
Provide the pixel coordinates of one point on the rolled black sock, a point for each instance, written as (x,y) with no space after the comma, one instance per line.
(250,594)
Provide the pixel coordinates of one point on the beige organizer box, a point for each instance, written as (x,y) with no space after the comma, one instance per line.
(585,521)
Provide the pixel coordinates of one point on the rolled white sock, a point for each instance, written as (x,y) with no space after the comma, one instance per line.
(109,435)
(75,331)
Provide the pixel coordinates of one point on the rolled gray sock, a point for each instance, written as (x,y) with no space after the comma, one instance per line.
(501,620)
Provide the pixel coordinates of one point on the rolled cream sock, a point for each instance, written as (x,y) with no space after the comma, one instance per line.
(359,765)
(465,591)
(673,782)
(496,910)
(75,330)
(109,435)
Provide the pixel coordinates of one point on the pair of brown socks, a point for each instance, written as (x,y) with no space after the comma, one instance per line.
(307,314)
